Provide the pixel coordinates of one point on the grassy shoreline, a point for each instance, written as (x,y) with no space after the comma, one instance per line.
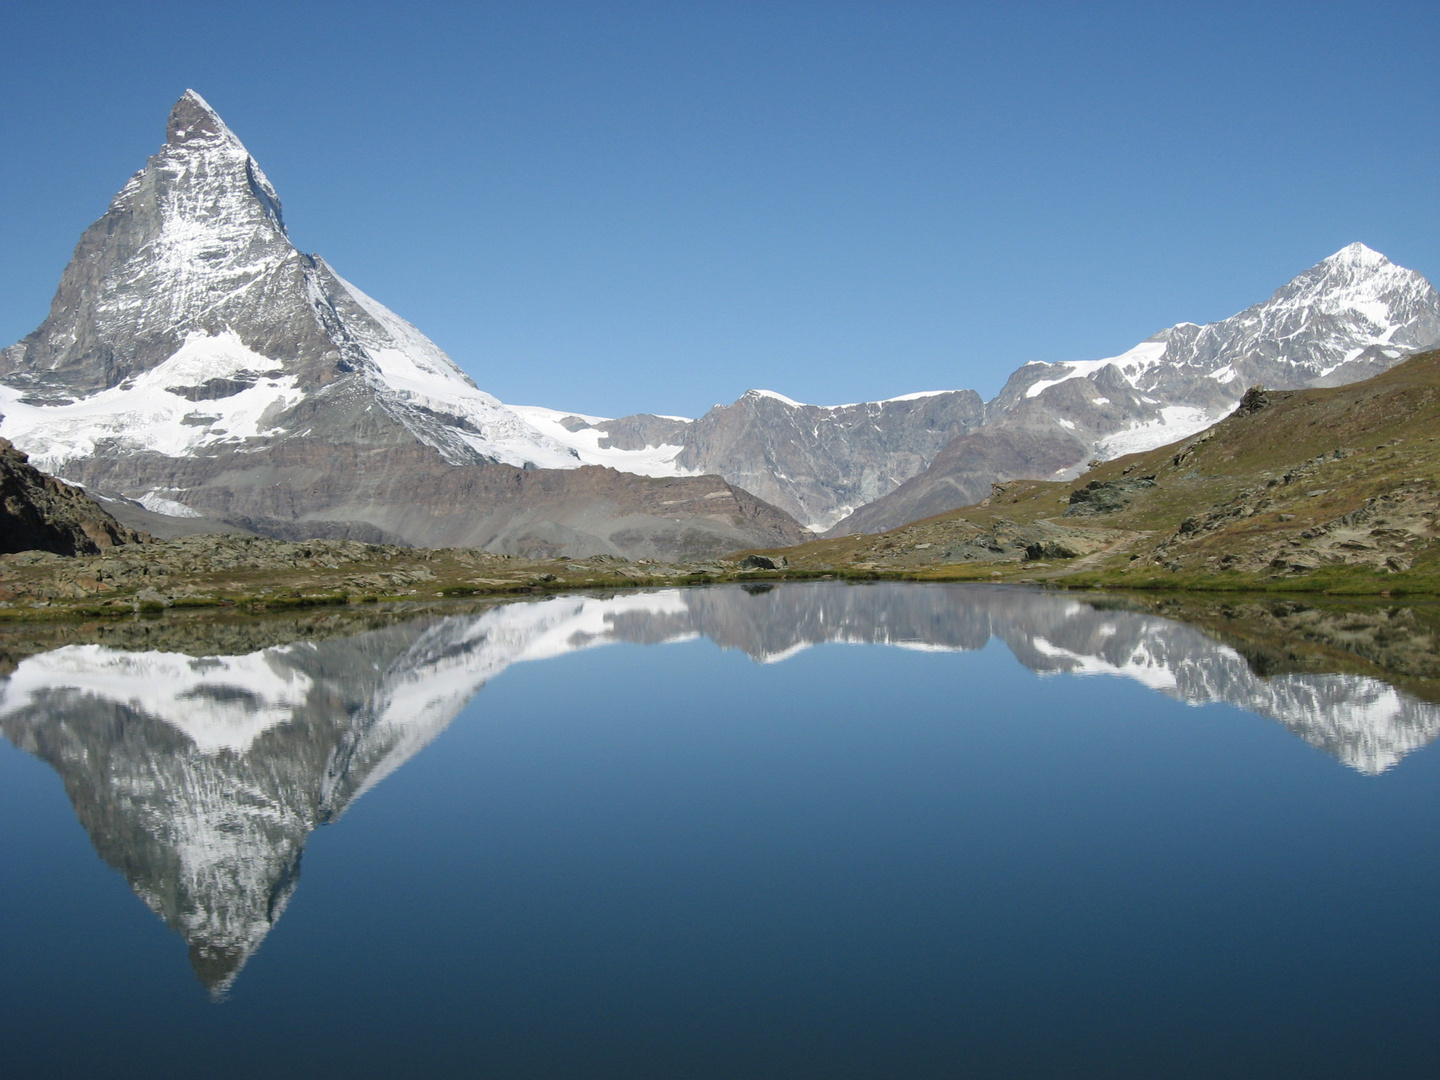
(1341,583)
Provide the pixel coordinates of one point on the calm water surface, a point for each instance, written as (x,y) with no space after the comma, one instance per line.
(815,830)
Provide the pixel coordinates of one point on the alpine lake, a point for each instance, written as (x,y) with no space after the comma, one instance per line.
(797,830)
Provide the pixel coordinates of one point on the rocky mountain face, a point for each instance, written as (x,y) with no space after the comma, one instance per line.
(876,465)
(1330,490)
(816,462)
(194,361)
(200,777)
(1345,319)
(40,513)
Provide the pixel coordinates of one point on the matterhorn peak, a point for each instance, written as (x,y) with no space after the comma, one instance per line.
(193,118)
(188,324)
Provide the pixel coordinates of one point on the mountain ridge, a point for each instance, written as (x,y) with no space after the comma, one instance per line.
(193,359)
(871,466)
(1351,316)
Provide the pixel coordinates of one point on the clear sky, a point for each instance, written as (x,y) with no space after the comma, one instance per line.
(622,207)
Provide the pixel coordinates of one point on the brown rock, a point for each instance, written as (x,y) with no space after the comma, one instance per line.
(40,513)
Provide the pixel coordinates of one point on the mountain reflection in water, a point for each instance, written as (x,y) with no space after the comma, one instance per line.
(200,777)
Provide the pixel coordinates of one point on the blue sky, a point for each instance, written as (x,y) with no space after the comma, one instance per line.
(632,207)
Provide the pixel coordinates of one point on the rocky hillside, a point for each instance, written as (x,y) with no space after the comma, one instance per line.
(816,462)
(40,513)
(1308,489)
(196,362)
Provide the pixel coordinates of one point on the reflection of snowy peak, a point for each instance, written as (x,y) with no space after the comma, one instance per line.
(200,778)
(1367,724)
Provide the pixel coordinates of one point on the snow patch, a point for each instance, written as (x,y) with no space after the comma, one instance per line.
(778,397)
(159,504)
(1132,363)
(415,371)
(142,415)
(651,461)
(219,702)
(917,396)
(1174,422)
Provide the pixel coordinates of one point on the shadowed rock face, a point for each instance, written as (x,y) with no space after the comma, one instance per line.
(195,361)
(818,463)
(200,777)
(40,513)
(962,475)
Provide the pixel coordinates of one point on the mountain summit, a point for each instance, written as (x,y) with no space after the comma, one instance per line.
(196,363)
(188,290)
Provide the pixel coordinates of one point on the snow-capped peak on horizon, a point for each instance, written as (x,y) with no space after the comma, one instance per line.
(1357,254)
(757,393)
(1367,304)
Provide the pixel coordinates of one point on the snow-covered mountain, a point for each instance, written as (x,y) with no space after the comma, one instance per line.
(200,777)
(189,321)
(195,362)
(1351,316)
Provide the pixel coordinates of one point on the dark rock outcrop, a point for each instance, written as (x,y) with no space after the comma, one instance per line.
(41,513)
(1106,496)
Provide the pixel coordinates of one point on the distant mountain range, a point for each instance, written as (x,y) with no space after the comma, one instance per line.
(877,465)
(194,364)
